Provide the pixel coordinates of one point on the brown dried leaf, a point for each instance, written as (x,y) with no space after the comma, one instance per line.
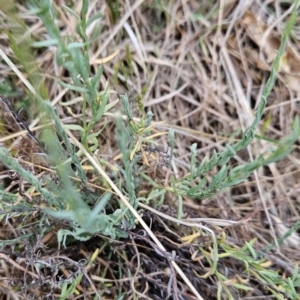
(269,44)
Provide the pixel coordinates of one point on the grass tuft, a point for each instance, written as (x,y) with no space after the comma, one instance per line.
(112,180)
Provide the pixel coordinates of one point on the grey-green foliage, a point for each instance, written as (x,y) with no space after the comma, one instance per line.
(18,239)
(73,54)
(196,186)
(12,164)
(258,267)
(125,140)
(85,222)
(55,150)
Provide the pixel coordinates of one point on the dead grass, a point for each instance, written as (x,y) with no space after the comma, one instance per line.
(204,67)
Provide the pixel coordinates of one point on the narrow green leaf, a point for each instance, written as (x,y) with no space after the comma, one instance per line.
(73,127)
(242,287)
(251,249)
(47,43)
(71,102)
(71,87)
(295,272)
(75,45)
(69,10)
(96,79)
(96,134)
(94,18)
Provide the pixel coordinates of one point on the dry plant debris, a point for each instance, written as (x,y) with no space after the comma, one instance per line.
(200,67)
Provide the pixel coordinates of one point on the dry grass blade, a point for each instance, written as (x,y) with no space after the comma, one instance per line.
(135,213)
(180,202)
